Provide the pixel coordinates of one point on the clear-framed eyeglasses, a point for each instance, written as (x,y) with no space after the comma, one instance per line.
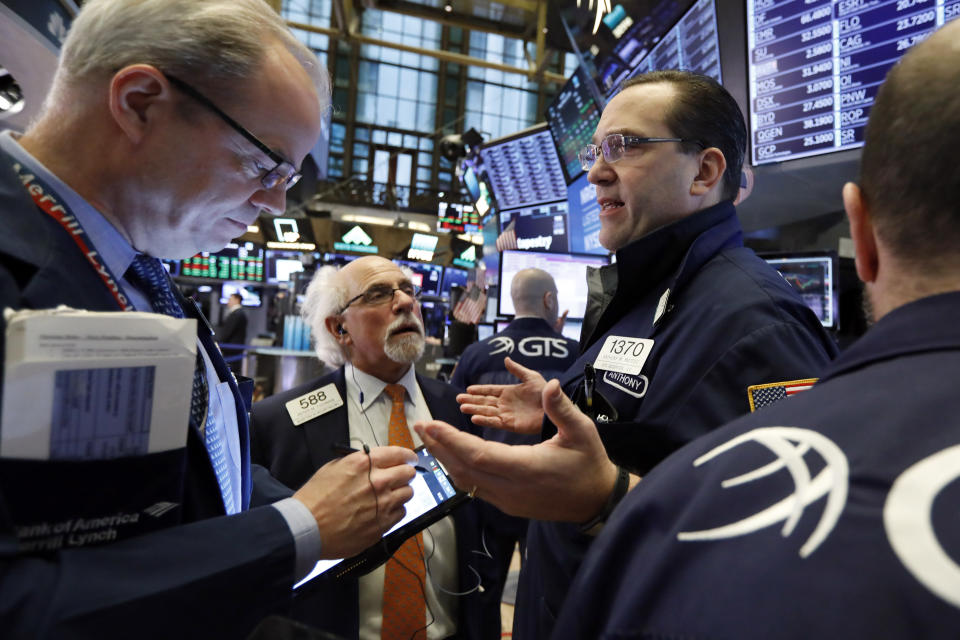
(614,146)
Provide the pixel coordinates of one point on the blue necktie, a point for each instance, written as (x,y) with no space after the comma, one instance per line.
(151,278)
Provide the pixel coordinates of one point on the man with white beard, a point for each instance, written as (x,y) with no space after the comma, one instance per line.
(366,319)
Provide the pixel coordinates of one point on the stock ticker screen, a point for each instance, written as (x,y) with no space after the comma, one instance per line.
(572,117)
(524,169)
(243,263)
(813,278)
(815,67)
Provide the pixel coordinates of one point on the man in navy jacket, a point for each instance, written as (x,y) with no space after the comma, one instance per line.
(676,330)
(831,514)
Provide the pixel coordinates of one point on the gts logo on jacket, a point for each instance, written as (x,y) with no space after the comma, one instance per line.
(534,346)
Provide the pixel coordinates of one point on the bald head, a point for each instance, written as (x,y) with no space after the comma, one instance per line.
(534,293)
(909,182)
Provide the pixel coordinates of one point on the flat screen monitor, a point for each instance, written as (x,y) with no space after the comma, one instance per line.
(233,262)
(690,44)
(338,259)
(541,227)
(281,265)
(453,276)
(477,188)
(571,329)
(815,68)
(572,117)
(583,217)
(568,270)
(485,330)
(813,275)
(427,276)
(524,169)
(249,297)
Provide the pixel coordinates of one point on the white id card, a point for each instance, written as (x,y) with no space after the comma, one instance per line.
(314,403)
(623,354)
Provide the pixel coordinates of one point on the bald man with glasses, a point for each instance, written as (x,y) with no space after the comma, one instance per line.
(676,331)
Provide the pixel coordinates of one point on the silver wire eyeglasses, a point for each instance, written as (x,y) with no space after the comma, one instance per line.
(283,173)
(382,294)
(613,147)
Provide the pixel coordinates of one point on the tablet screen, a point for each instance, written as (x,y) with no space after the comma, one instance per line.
(431,489)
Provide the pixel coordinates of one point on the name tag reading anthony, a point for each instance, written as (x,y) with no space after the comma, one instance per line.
(313,404)
(623,354)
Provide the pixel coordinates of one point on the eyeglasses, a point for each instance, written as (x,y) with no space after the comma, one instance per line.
(379,294)
(613,147)
(283,173)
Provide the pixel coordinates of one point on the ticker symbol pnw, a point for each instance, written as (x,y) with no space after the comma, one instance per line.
(789,445)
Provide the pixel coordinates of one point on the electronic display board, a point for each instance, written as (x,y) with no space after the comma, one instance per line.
(815,67)
(234,262)
(813,275)
(457,217)
(523,169)
(427,276)
(572,117)
(539,228)
(691,44)
(583,217)
(568,270)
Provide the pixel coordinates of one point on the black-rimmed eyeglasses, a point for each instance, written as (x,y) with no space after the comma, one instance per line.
(613,147)
(284,173)
(382,294)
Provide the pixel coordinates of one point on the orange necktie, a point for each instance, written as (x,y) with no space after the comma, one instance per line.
(404,583)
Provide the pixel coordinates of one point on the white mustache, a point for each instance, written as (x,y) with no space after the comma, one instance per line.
(405,320)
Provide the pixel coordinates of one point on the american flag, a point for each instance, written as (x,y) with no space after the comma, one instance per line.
(508,237)
(471,306)
(760,395)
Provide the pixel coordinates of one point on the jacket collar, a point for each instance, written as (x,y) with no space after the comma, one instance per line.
(918,326)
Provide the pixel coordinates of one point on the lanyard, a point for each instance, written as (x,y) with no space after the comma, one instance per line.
(47,201)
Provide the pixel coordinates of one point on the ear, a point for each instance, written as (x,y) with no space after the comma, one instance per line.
(549,299)
(861,231)
(135,93)
(331,323)
(710,172)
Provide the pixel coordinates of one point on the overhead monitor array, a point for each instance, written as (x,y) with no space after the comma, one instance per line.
(815,68)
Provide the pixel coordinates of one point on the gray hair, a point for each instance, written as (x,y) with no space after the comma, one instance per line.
(213,42)
(326,296)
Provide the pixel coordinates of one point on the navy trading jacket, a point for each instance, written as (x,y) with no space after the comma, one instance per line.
(847,529)
(530,341)
(697,318)
(536,345)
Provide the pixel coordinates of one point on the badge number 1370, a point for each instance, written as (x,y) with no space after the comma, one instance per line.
(623,354)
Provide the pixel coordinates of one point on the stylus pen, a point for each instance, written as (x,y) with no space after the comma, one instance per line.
(345,450)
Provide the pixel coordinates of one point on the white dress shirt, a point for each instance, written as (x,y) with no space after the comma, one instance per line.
(369,422)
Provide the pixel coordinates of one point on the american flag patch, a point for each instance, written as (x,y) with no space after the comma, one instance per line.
(760,395)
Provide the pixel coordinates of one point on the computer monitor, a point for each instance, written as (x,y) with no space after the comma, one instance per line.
(500,325)
(281,265)
(571,329)
(572,117)
(428,277)
(453,276)
(485,330)
(524,169)
(583,217)
(568,270)
(814,71)
(249,297)
(814,276)
(691,43)
(540,227)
